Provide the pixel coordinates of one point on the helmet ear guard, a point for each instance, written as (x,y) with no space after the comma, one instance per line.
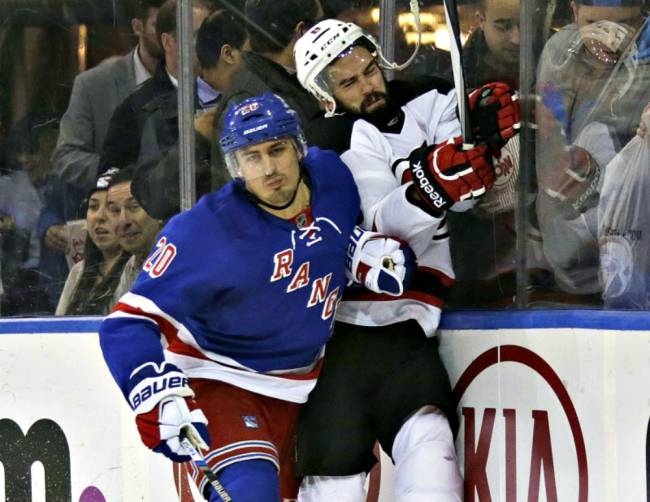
(324,42)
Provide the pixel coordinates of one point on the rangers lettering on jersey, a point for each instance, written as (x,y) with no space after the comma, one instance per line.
(282,269)
(283,261)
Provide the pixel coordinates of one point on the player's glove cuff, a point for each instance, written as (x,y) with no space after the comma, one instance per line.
(151,383)
(494,113)
(160,429)
(381,264)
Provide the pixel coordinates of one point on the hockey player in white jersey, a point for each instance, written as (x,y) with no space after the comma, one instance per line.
(382,378)
(242,290)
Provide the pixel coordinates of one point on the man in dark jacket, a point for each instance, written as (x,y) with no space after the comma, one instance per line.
(484,239)
(220,42)
(145,125)
(273,26)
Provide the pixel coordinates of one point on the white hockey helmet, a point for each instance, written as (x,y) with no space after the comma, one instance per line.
(317,48)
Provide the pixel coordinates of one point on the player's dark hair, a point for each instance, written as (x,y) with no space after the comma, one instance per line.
(271,23)
(166,20)
(140,8)
(218,29)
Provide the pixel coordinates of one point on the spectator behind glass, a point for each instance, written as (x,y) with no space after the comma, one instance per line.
(593,83)
(483,240)
(145,125)
(220,41)
(92,282)
(273,27)
(25,166)
(134,228)
(95,95)
(624,224)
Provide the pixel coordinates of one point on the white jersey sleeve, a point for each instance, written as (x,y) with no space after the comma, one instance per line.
(373,149)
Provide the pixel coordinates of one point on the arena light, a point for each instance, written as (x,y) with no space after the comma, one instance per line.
(434,28)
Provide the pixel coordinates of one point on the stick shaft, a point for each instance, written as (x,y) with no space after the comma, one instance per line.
(453,27)
(189,444)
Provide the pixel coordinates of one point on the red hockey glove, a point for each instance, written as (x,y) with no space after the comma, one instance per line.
(162,400)
(494,113)
(445,173)
(381,264)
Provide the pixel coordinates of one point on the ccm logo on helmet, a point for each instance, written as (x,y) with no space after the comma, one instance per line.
(329,41)
(435,197)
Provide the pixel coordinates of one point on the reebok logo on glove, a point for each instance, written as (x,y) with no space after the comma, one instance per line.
(437,200)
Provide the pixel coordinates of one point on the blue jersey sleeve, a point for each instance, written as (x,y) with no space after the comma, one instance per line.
(168,286)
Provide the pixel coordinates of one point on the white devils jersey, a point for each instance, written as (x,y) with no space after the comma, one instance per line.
(370,147)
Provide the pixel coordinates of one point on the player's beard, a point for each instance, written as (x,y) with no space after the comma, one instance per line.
(384,112)
(372,98)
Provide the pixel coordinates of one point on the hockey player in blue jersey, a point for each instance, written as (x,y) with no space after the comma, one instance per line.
(225,326)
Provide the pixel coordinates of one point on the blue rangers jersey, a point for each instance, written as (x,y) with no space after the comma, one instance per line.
(238,295)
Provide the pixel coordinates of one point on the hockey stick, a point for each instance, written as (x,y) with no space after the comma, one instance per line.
(456,50)
(190,443)
(647,462)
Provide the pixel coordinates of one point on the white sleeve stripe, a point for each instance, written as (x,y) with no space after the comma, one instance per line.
(121,314)
(184,335)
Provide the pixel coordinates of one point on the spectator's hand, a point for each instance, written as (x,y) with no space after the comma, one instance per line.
(56,238)
(494,113)
(642,130)
(204,123)
(572,178)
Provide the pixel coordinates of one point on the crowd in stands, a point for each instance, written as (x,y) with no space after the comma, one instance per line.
(84,194)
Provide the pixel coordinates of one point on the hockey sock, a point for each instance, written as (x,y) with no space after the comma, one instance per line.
(249,481)
(426,468)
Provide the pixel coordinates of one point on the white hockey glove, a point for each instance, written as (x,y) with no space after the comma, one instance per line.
(164,404)
(381,264)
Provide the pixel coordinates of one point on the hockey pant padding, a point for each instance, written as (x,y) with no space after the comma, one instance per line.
(329,488)
(249,481)
(426,469)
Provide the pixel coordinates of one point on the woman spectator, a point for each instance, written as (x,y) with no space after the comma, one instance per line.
(92,282)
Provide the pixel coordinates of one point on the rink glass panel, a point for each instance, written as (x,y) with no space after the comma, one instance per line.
(584,101)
